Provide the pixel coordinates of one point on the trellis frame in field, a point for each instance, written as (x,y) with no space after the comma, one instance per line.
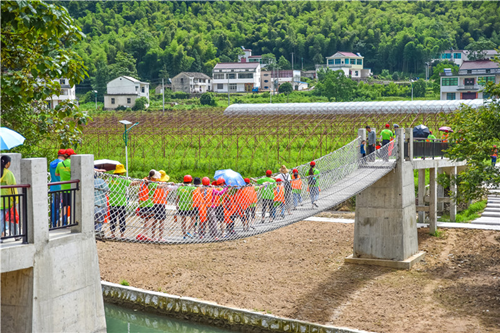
(209,140)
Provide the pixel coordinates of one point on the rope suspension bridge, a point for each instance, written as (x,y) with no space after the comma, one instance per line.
(145,211)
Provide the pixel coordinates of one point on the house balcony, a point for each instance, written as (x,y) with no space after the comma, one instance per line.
(340,66)
(469,87)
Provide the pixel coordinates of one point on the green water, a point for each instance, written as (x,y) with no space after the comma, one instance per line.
(124,320)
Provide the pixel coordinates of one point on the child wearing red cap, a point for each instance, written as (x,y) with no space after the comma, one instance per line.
(279,198)
(296,188)
(386,135)
(266,192)
(312,181)
(63,170)
(185,202)
(56,197)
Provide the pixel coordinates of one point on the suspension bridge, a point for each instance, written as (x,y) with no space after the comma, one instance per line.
(343,174)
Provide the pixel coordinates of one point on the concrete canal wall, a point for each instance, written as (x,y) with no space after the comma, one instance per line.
(209,313)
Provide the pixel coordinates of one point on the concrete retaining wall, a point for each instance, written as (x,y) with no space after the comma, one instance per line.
(209,313)
(52,284)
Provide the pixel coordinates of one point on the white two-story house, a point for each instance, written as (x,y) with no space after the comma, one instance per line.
(351,64)
(280,77)
(236,77)
(124,90)
(67,93)
(191,83)
(470,80)
(459,56)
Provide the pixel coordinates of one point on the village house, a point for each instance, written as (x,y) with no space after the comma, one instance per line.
(280,77)
(459,56)
(67,93)
(248,57)
(469,82)
(351,64)
(191,83)
(124,90)
(236,76)
(159,88)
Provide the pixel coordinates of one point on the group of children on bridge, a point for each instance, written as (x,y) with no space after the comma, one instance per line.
(205,208)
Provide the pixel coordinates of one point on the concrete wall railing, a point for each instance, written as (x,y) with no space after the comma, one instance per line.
(52,284)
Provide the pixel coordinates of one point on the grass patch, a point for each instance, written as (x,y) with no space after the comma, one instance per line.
(438,233)
(124,283)
(467,215)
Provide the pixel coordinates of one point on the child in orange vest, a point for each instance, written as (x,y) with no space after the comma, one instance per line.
(251,197)
(296,188)
(279,199)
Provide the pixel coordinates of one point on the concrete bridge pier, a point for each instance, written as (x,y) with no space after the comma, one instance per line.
(385,230)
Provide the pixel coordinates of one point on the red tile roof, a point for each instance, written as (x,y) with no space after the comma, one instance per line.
(349,54)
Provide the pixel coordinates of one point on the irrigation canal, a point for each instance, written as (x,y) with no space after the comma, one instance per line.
(121,320)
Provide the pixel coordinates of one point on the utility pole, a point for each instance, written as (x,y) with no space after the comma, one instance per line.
(411,82)
(272,82)
(292,64)
(302,63)
(163,91)
(228,98)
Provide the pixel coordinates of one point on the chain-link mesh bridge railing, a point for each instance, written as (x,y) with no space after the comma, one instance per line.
(142,210)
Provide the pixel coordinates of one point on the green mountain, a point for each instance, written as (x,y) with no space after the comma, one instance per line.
(156,40)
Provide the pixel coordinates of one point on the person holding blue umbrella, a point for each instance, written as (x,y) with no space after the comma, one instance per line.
(10,139)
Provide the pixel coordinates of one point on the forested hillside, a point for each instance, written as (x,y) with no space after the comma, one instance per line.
(154,40)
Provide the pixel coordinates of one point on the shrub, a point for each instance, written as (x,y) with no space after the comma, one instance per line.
(395,76)
(121,108)
(140,104)
(208,99)
(180,95)
(88,97)
(285,88)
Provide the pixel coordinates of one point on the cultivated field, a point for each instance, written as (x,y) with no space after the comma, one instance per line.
(200,142)
(299,272)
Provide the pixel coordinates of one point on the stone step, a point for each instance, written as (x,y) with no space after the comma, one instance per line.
(491,209)
(487,221)
(491,214)
(493,205)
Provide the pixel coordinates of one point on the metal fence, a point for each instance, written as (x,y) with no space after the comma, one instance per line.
(13,214)
(62,203)
(429,148)
(145,210)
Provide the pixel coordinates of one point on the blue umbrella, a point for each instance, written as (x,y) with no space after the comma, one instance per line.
(232,178)
(9,138)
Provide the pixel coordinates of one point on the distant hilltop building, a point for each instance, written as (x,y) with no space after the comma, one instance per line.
(351,64)
(248,57)
(191,83)
(67,93)
(470,80)
(236,77)
(459,56)
(124,90)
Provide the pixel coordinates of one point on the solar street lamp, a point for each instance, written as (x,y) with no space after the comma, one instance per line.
(125,139)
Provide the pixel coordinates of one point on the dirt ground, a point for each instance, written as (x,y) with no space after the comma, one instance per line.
(298,272)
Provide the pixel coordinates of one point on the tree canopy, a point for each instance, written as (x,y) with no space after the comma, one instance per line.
(38,42)
(171,37)
(476,131)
